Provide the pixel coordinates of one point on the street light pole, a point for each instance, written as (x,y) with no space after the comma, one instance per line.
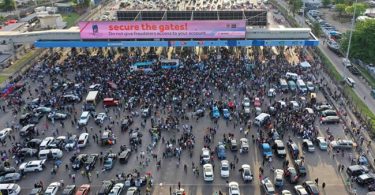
(351,30)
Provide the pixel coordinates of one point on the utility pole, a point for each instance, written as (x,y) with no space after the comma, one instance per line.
(351,30)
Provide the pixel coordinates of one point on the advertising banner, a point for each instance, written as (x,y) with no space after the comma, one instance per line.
(200,29)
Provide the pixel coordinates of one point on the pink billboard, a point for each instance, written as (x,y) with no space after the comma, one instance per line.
(201,29)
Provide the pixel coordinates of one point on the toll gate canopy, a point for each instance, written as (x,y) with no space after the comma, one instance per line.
(252,17)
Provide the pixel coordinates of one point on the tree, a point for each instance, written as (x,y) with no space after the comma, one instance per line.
(8,5)
(363,41)
(360,9)
(326,2)
(317,29)
(295,6)
(340,8)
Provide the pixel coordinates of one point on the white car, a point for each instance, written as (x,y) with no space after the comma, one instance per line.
(300,190)
(206,157)
(286,192)
(208,172)
(271,92)
(100,118)
(246,102)
(267,186)
(322,143)
(279,180)
(32,166)
(5,133)
(246,173)
(117,189)
(244,144)
(234,188)
(82,140)
(224,170)
(52,188)
(84,119)
(308,145)
(294,105)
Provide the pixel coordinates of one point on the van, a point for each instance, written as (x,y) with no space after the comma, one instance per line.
(92,96)
(283,85)
(350,81)
(124,156)
(291,76)
(262,119)
(292,85)
(50,154)
(356,170)
(45,143)
(10,189)
(301,86)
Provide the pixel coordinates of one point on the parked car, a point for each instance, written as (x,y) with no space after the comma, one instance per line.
(117,189)
(299,165)
(308,145)
(279,148)
(321,142)
(300,190)
(247,175)
(100,118)
(267,186)
(291,175)
(83,189)
(106,187)
(224,169)
(57,116)
(208,173)
(32,166)
(69,190)
(10,178)
(53,188)
(234,188)
(342,144)
(311,187)
(366,179)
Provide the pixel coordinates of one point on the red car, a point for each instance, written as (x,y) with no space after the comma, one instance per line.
(257,102)
(110,102)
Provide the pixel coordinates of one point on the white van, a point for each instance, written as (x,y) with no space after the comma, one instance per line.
(83,140)
(291,76)
(10,189)
(45,143)
(301,86)
(350,81)
(261,119)
(50,153)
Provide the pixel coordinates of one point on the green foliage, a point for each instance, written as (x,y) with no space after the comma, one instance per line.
(295,6)
(7,5)
(326,2)
(360,9)
(70,19)
(340,8)
(316,29)
(363,41)
(340,1)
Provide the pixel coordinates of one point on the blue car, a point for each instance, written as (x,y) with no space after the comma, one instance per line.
(266,150)
(220,150)
(215,112)
(226,113)
(108,163)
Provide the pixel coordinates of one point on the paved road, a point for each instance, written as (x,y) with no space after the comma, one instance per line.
(362,89)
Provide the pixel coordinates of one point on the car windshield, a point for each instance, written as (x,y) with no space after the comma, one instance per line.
(225,168)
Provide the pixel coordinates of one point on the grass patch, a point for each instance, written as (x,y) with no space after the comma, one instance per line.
(3,78)
(367,76)
(19,63)
(71,19)
(361,107)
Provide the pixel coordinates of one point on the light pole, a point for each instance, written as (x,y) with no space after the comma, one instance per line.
(351,30)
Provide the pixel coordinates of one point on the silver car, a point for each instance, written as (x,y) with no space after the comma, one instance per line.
(10,178)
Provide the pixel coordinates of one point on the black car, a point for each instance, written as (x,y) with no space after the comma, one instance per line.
(27,130)
(34,143)
(25,118)
(6,170)
(311,187)
(365,179)
(299,165)
(106,187)
(91,161)
(56,143)
(354,70)
(27,152)
(126,123)
(69,190)
(124,156)
(78,161)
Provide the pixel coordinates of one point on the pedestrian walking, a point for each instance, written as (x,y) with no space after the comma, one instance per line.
(323,185)
(317,181)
